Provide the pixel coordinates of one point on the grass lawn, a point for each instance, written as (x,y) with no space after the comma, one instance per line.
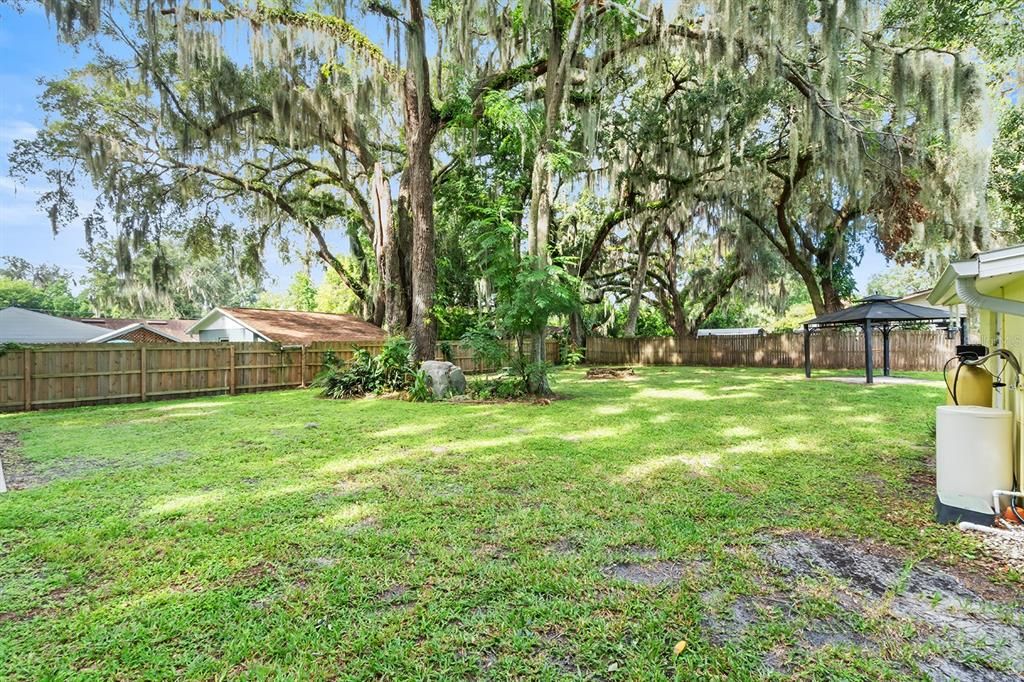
(281,535)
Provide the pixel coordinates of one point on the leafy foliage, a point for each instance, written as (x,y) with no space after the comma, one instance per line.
(502,387)
(164,280)
(899,280)
(486,345)
(390,371)
(793,319)
(569,354)
(650,321)
(419,389)
(54,298)
(454,321)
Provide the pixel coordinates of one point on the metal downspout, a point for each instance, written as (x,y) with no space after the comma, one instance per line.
(968,292)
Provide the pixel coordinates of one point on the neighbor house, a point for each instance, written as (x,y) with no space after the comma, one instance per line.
(291,327)
(921,298)
(140,331)
(18,325)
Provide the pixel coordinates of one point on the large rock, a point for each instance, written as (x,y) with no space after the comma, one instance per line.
(445,379)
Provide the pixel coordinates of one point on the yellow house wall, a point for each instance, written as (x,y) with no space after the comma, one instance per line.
(1012,339)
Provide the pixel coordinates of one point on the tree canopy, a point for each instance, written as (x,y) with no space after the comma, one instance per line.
(539,160)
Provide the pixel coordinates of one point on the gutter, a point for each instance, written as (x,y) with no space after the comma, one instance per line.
(967,291)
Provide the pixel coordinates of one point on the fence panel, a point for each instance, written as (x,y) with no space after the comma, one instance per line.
(910,350)
(70,375)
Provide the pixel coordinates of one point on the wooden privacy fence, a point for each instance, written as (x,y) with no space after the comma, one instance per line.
(97,373)
(911,350)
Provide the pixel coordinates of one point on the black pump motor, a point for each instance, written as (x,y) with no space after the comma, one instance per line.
(971,351)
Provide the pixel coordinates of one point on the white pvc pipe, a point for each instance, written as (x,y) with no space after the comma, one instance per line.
(996,494)
(999,360)
(991,530)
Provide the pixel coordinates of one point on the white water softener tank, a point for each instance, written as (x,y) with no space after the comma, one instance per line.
(973,457)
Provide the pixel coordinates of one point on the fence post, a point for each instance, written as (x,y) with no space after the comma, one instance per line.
(142,372)
(302,368)
(27,371)
(231,369)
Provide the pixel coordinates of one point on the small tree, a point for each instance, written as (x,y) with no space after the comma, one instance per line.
(526,294)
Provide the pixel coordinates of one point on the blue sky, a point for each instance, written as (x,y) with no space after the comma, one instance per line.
(28,51)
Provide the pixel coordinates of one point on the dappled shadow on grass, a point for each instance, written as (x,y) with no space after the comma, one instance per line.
(407,538)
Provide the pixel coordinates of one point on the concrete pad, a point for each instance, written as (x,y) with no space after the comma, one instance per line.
(882,380)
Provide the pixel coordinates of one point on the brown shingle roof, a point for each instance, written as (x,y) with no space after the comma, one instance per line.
(293,326)
(176,328)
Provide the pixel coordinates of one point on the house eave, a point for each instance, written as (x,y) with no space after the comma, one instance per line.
(984,271)
(199,325)
(944,291)
(114,333)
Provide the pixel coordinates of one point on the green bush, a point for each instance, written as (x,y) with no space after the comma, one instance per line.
(419,390)
(486,345)
(392,370)
(395,365)
(454,321)
(570,354)
(504,387)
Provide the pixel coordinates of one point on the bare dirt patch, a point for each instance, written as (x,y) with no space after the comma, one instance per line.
(562,547)
(968,633)
(609,373)
(17,471)
(21,474)
(397,596)
(650,574)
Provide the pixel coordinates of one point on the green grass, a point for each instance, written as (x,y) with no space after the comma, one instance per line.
(281,535)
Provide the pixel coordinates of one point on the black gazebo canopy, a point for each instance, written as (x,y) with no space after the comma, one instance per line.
(886,312)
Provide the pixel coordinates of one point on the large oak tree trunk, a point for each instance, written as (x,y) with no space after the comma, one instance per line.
(638,285)
(389,258)
(830,297)
(560,55)
(421,127)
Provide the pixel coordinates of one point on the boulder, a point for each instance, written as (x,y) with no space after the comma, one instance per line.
(444,378)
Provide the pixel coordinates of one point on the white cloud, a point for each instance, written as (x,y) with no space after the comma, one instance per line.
(14,129)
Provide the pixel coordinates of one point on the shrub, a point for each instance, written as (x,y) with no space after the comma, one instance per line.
(571,354)
(419,390)
(454,321)
(503,387)
(486,345)
(391,370)
(395,365)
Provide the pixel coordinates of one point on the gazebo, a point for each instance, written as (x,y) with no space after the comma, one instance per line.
(886,313)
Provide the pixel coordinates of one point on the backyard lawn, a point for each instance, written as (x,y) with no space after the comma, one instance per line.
(780,527)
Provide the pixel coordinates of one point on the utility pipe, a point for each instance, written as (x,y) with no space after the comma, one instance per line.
(967,525)
(999,360)
(996,494)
